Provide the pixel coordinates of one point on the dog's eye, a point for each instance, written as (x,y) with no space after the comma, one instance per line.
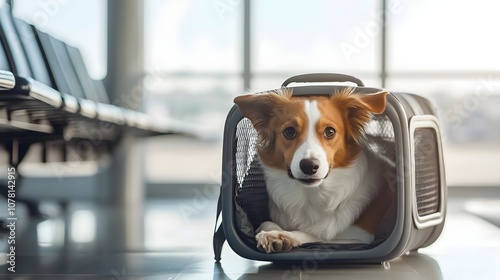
(329,132)
(289,132)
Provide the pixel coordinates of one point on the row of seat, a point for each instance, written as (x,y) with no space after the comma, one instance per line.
(47,93)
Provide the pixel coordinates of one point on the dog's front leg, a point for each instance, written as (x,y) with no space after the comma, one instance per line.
(272,238)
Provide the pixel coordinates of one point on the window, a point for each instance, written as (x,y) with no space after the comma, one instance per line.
(454,61)
(193,70)
(192,58)
(81,23)
(194,65)
(296,37)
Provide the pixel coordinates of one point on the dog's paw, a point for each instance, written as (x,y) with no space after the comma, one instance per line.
(276,241)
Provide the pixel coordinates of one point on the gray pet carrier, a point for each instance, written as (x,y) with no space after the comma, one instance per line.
(406,136)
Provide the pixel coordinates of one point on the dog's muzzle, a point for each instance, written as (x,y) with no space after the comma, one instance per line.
(306,181)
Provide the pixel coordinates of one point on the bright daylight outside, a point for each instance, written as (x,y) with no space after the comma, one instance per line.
(194,63)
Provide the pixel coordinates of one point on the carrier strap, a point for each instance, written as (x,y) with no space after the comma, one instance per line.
(219,235)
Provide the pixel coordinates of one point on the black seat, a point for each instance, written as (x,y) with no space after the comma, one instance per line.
(12,44)
(13,129)
(65,81)
(29,93)
(76,61)
(40,65)
(33,54)
(92,89)
(7,79)
(140,122)
(4,61)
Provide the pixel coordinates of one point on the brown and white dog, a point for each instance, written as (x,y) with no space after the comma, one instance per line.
(323,184)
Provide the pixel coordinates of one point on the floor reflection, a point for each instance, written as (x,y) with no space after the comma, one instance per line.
(50,233)
(83,226)
(84,240)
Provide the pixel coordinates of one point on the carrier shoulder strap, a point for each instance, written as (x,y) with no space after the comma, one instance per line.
(219,235)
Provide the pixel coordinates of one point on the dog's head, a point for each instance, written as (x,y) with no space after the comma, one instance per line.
(308,136)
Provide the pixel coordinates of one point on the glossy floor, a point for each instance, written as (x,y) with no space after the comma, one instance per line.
(86,242)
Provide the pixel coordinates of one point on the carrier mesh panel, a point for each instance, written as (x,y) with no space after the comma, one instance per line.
(427,171)
(380,138)
(251,193)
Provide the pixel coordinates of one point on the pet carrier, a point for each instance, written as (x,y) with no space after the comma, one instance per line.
(406,136)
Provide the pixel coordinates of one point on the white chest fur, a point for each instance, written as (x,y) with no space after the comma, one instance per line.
(326,210)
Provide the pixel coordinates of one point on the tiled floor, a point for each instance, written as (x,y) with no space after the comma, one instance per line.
(85,243)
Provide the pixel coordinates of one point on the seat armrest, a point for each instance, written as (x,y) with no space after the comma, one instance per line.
(70,103)
(88,108)
(110,113)
(7,80)
(44,93)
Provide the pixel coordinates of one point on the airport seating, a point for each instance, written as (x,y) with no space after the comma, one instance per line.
(48,98)
(47,92)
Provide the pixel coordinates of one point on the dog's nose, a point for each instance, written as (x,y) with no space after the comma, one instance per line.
(309,166)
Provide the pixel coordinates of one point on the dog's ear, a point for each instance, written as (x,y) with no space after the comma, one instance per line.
(259,108)
(375,102)
(359,108)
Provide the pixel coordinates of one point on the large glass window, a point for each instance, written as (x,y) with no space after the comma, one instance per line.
(445,36)
(444,51)
(194,65)
(192,58)
(311,36)
(295,37)
(193,70)
(452,58)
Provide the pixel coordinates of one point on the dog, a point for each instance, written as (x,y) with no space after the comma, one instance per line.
(324,184)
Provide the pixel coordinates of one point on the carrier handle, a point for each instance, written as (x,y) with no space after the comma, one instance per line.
(322,78)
